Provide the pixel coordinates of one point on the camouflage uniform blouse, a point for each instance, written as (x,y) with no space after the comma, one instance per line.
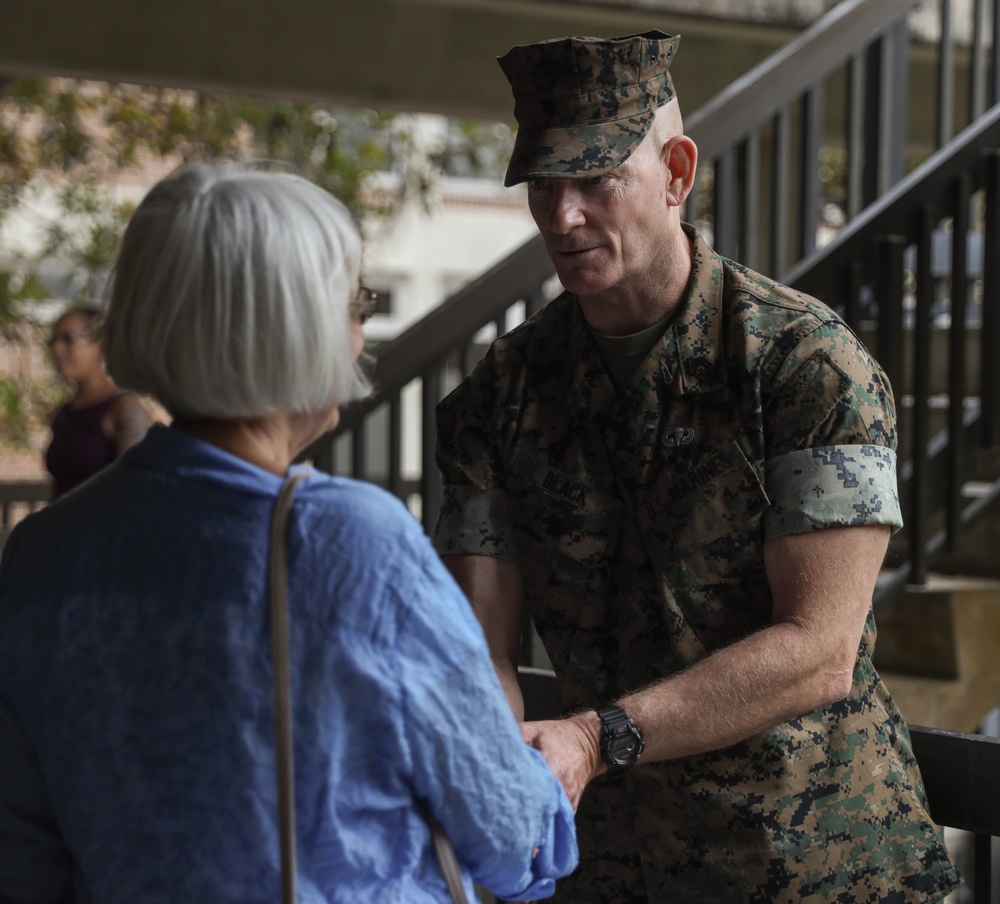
(638,520)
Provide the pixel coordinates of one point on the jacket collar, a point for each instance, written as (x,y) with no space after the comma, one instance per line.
(692,346)
(687,358)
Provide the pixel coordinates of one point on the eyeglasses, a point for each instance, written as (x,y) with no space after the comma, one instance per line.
(68,339)
(363,305)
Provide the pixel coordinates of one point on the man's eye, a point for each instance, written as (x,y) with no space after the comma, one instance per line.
(599,179)
(538,184)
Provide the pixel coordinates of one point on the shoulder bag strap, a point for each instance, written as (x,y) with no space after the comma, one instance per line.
(278,593)
(446,858)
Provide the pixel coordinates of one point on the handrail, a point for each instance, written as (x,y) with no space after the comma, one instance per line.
(29,494)
(961,773)
(868,255)
(930,183)
(813,55)
(457,319)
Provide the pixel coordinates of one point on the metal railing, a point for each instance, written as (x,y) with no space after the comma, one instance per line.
(19,498)
(961,774)
(884,272)
(430,357)
(835,104)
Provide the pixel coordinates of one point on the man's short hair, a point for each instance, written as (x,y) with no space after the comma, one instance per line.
(230,296)
(583,105)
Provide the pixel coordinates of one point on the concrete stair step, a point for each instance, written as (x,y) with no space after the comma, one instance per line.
(938,651)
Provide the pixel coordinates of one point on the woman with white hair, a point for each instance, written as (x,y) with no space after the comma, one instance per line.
(136,699)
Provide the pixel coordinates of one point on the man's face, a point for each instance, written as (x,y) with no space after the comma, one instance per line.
(607,231)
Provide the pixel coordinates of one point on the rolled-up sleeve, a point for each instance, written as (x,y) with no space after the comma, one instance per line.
(474,521)
(831,486)
(474,518)
(830,423)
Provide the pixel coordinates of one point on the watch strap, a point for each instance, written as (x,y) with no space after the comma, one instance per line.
(612,717)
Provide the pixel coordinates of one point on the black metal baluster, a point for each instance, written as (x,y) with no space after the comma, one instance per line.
(430,479)
(782,157)
(995,55)
(956,357)
(944,122)
(977,94)
(725,205)
(871,186)
(989,376)
(396,447)
(982,872)
(809,186)
(919,485)
(894,114)
(750,228)
(358,448)
(854,139)
(889,294)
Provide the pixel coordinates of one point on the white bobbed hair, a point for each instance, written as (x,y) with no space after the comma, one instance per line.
(230,297)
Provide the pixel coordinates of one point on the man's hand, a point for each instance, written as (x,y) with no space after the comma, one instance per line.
(571,747)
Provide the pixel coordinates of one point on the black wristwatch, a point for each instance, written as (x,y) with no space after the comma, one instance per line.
(621,739)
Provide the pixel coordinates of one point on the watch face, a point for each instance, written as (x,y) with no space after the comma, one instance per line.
(624,748)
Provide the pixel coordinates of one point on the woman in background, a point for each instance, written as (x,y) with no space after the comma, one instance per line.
(101,421)
(136,697)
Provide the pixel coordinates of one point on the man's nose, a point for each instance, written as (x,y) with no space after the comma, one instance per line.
(566,212)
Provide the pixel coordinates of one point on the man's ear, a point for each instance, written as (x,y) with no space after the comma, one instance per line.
(680,155)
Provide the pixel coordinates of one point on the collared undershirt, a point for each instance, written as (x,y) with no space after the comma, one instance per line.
(623,354)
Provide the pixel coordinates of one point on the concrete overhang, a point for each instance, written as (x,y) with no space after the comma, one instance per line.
(420,55)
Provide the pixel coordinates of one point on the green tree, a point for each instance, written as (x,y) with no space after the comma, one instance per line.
(65,145)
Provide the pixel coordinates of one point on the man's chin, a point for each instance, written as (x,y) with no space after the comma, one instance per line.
(583,282)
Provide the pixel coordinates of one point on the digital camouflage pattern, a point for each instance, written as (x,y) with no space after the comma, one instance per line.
(638,522)
(583,105)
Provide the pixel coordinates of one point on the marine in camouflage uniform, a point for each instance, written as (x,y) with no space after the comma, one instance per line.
(638,514)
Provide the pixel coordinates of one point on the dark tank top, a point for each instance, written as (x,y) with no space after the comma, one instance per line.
(79,447)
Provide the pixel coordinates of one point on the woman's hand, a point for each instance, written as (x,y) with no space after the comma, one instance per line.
(572,749)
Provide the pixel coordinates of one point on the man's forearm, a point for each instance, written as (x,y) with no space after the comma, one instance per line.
(803,660)
(737,692)
(760,681)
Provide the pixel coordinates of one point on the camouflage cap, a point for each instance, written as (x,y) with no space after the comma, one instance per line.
(583,105)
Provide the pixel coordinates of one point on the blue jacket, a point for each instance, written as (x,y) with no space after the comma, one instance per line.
(136,703)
